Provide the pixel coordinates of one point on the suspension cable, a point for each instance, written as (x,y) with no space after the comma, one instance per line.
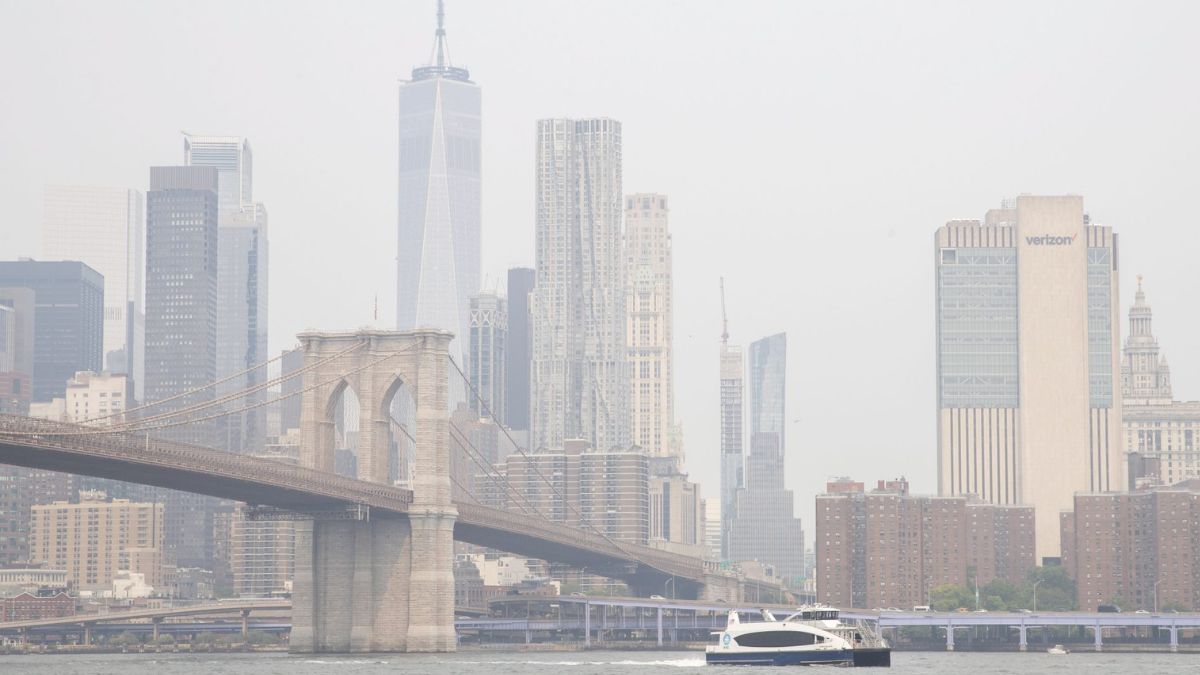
(484,467)
(188,392)
(132,425)
(485,408)
(109,430)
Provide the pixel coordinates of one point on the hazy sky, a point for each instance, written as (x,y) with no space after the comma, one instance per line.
(809,150)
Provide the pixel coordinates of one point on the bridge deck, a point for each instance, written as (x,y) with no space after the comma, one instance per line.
(137,458)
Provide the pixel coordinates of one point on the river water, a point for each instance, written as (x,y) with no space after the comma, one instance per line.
(572,663)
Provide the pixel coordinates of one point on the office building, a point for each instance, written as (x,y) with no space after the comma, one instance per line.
(1028,407)
(887,548)
(580,377)
(649,322)
(181,294)
(16,349)
(486,359)
(676,513)
(1139,550)
(95,538)
(517,353)
(712,527)
(104,227)
(438,260)
(242,273)
(181,335)
(20,490)
(764,527)
(1162,435)
(98,399)
(289,408)
(68,323)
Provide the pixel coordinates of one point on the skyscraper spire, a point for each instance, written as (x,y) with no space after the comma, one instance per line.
(439,64)
(440,38)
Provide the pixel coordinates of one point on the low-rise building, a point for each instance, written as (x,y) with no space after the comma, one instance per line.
(34,606)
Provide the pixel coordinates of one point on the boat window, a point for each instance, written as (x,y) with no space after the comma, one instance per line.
(777,638)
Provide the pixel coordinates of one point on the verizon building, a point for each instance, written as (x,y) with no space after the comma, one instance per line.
(1028,406)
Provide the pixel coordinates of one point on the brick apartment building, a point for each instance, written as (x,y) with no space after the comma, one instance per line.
(887,548)
(1141,549)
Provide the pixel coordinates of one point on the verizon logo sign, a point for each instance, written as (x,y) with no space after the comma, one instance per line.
(1051,240)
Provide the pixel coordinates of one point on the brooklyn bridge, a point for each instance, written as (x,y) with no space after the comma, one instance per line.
(374,561)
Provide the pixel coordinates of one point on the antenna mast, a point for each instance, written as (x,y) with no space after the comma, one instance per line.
(724,319)
(441,33)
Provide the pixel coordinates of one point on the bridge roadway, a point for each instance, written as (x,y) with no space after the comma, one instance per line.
(138,458)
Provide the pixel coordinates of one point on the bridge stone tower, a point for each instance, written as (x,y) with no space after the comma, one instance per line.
(384,584)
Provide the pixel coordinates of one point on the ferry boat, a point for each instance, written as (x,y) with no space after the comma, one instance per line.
(810,636)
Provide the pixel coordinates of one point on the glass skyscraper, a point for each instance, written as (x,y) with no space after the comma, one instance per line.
(104,227)
(765,527)
(438,256)
(68,321)
(242,261)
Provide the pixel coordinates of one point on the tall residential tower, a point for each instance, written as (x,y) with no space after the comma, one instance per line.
(733,414)
(648,303)
(580,379)
(439,233)
(1027,361)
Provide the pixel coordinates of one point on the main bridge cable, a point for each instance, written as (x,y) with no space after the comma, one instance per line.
(135,424)
(482,466)
(97,431)
(487,409)
(188,392)
(474,452)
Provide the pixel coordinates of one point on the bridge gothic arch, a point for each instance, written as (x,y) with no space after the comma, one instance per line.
(386,583)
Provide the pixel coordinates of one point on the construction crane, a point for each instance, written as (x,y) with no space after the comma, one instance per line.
(724,318)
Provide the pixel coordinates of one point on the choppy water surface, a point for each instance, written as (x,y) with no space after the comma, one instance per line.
(573,663)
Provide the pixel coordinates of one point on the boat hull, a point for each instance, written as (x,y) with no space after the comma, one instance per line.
(781,658)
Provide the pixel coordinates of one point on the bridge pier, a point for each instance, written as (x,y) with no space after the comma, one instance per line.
(949,637)
(1174,638)
(1024,641)
(587,624)
(1099,643)
(658,623)
(352,587)
(378,584)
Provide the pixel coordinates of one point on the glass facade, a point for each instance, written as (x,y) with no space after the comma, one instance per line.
(1100,321)
(768,379)
(977,327)
(439,200)
(242,254)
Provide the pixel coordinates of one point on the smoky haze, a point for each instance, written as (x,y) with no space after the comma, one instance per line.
(809,151)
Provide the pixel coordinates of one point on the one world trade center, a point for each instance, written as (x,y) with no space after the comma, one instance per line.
(439,238)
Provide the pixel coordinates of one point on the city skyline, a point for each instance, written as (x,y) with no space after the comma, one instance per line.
(860,303)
